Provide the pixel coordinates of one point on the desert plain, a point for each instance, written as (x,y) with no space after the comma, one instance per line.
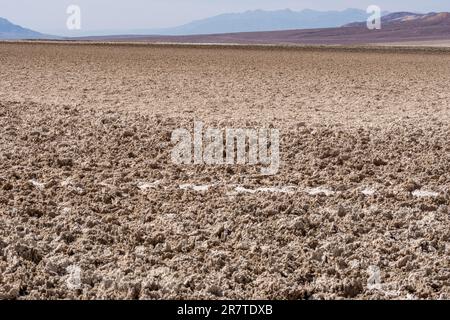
(92,207)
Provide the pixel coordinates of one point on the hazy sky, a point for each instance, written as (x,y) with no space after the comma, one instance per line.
(50,15)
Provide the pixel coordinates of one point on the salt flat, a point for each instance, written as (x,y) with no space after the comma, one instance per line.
(92,206)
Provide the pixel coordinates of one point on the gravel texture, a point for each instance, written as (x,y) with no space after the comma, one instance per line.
(91,206)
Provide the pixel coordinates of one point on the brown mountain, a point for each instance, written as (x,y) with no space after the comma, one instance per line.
(396,27)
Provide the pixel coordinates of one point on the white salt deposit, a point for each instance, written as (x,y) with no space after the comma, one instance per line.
(244,190)
(424,193)
(374,280)
(73,281)
(37,185)
(368,191)
(199,188)
(66,210)
(285,189)
(145,186)
(320,190)
(69,184)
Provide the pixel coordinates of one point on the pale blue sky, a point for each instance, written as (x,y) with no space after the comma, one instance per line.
(50,15)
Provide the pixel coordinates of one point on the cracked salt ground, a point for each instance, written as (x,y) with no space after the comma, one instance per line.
(285,189)
(205,244)
(367,191)
(241,189)
(145,186)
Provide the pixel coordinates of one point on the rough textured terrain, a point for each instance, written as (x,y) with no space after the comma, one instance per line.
(91,204)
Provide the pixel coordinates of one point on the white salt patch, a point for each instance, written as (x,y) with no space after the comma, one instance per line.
(170,216)
(140,251)
(424,193)
(368,191)
(66,210)
(37,185)
(427,219)
(447,248)
(200,188)
(391,293)
(374,280)
(145,186)
(277,189)
(73,281)
(66,182)
(286,189)
(105,184)
(320,190)
(69,184)
(244,190)
(354,264)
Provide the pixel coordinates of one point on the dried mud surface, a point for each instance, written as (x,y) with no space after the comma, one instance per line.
(91,205)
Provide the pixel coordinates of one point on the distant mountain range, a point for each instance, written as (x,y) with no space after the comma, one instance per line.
(249,21)
(12,31)
(260,20)
(285,26)
(396,27)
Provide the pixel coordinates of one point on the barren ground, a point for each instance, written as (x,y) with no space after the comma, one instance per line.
(91,204)
(430,43)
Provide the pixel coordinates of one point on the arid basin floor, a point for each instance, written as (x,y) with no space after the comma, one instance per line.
(91,205)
